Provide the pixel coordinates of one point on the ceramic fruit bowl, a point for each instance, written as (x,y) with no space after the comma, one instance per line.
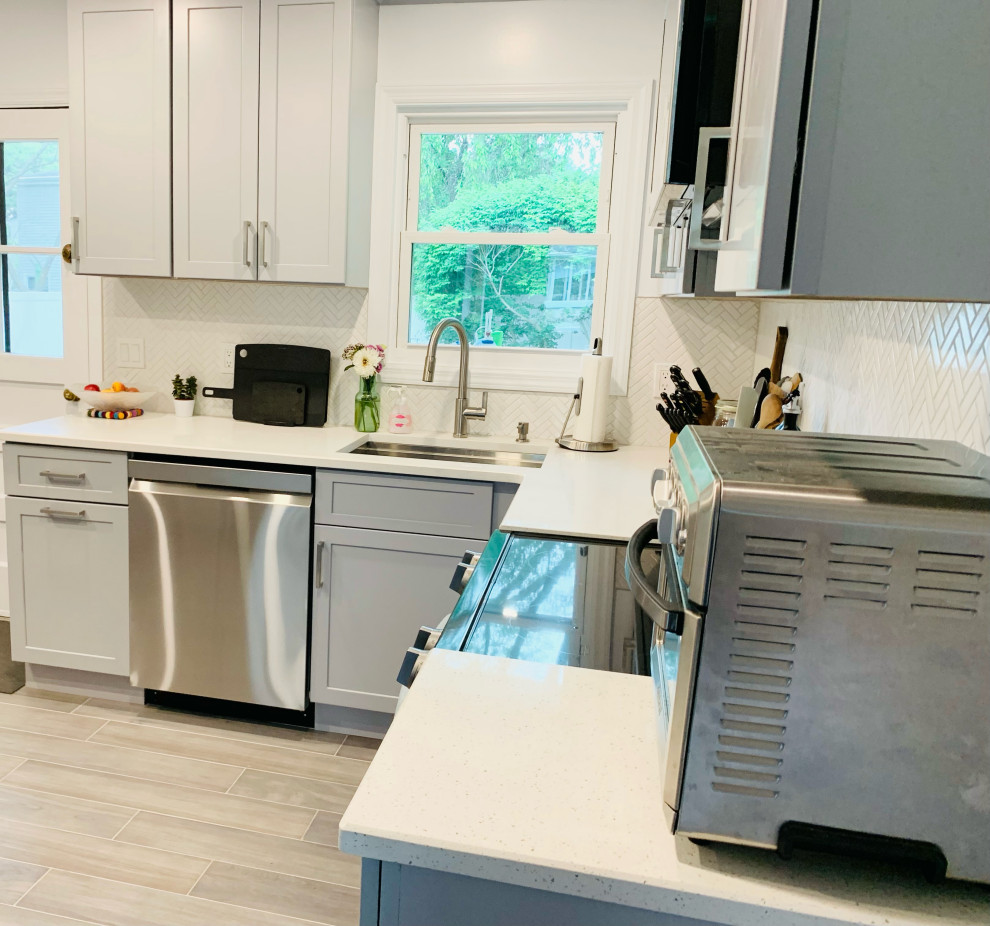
(111,401)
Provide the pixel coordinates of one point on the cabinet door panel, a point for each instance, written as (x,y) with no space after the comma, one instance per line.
(302,178)
(763,148)
(215,137)
(68,584)
(119,107)
(378,588)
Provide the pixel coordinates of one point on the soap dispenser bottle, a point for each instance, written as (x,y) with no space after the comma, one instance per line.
(400,417)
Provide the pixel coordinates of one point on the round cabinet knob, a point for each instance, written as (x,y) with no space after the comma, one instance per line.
(667,524)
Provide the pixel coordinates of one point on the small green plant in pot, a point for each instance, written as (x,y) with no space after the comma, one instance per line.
(184,395)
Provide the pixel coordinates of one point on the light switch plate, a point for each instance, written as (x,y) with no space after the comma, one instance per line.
(130,353)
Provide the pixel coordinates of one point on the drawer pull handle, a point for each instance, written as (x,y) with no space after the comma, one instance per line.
(70,477)
(67,515)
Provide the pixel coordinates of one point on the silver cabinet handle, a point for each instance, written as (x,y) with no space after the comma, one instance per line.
(67,515)
(64,477)
(264,244)
(247,240)
(695,241)
(75,240)
(319,563)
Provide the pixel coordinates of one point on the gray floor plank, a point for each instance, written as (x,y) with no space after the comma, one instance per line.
(325,829)
(359,747)
(237,752)
(115,904)
(104,858)
(19,916)
(16,878)
(63,813)
(115,760)
(46,700)
(54,723)
(279,893)
(160,797)
(291,789)
(240,847)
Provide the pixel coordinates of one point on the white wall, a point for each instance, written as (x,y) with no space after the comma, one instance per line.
(531,41)
(33,53)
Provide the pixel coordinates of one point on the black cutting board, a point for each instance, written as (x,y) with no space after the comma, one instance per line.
(279,384)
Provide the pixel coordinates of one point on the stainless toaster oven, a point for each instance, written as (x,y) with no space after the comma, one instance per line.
(821,643)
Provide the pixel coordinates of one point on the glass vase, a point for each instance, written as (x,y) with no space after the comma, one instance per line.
(367,405)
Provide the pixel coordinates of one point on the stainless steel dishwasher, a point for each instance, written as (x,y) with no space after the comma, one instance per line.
(219,581)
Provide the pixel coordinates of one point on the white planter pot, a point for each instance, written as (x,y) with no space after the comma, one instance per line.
(184,408)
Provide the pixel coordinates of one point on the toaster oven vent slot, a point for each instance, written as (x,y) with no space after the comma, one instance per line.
(728,788)
(741,758)
(783,565)
(934,611)
(858,571)
(764,614)
(862,604)
(753,710)
(751,726)
(755,678)
(745,774)
(747,742)
(757,694)
(779,545)
(971,562)
(861,551)
(776,581)
(768,596)
(754,646)
(765,663)
(770,631)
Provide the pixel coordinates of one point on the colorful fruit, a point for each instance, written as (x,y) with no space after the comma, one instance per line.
(69,395)
(131,389)
(92,387)
(117,387)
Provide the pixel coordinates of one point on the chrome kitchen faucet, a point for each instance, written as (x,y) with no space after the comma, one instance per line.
(461,409)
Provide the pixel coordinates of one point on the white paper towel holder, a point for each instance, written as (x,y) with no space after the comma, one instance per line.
(570,442)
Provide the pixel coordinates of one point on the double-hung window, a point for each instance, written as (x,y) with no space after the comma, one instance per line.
(507,231)
(515,210)
(43,311)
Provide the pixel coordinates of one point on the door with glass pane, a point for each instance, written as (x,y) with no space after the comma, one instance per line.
(43,338)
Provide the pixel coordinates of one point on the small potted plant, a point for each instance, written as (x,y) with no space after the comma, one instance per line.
(367,360)
(184,395)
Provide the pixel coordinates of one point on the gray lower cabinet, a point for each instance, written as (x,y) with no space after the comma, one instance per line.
(373,589)
(406,895)
(68,584)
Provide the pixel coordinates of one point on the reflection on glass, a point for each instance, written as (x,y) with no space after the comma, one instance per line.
(31,285)
(505,295)
(31,197)
(535,609)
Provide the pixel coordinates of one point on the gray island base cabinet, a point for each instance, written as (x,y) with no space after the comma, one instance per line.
(407,895)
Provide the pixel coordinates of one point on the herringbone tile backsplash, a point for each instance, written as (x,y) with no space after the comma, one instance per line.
(183,323)
(888,368)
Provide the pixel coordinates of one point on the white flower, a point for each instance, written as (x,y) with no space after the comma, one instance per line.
(366,362)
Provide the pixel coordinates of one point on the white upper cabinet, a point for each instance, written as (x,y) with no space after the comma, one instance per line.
(119,112)
(215,137)
(302,180)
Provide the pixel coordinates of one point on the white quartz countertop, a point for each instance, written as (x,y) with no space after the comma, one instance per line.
(594,495)
(549,777)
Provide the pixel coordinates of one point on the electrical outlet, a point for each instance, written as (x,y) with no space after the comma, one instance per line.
(227,351)
(661,380)
(130,353)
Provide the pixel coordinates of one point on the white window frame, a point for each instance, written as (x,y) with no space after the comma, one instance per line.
(400,111)
(81,298)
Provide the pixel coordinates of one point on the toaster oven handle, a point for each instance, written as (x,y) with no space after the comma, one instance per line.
(666,614)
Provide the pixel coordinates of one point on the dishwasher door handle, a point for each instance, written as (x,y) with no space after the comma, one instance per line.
(319,563)
(219,493)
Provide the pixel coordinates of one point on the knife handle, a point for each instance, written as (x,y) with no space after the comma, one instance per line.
(702,382)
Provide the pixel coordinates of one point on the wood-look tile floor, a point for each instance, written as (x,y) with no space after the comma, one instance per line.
(126,815)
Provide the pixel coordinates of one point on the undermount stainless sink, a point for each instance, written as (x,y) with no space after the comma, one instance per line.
(376,448)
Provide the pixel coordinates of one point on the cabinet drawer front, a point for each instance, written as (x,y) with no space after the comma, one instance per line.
(373,591)
(68,584)
(410,504)
(65,473)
